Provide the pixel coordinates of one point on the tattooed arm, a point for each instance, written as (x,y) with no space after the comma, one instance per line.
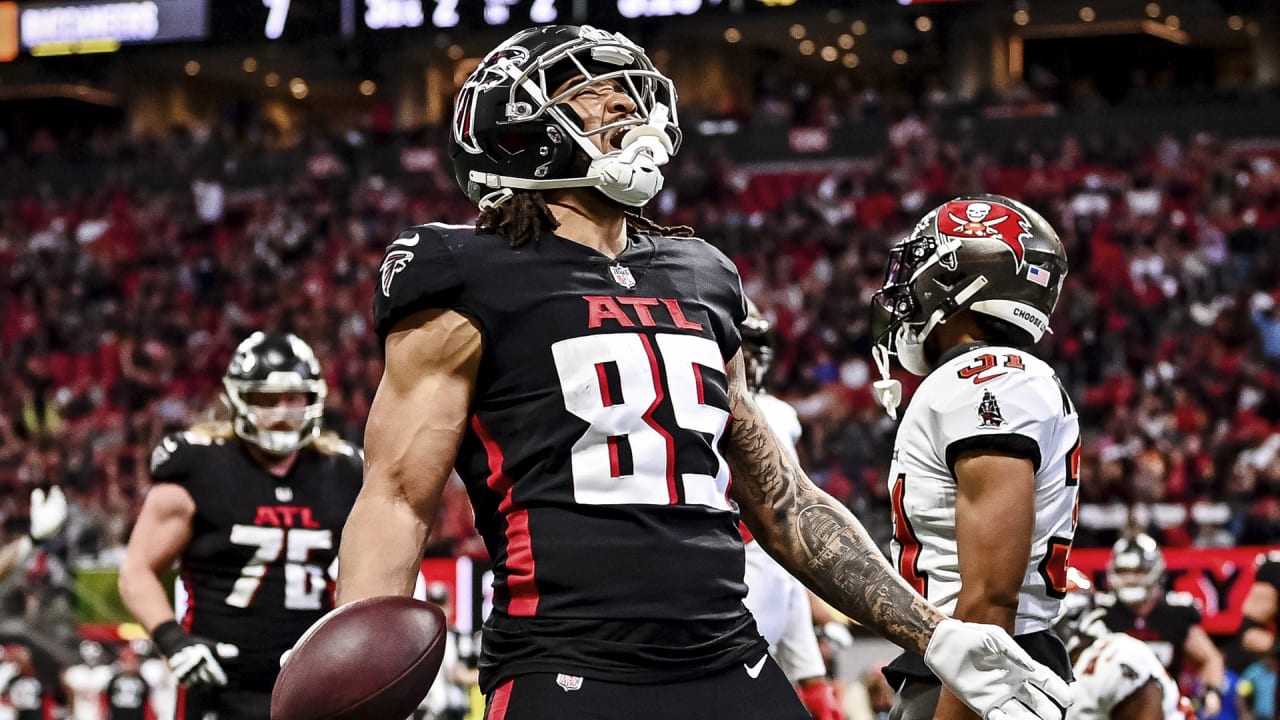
(812,535)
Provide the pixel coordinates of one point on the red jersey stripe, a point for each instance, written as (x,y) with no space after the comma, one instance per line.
(521,584)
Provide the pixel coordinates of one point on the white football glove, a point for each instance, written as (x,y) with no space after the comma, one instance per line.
(197,664)
(987,671)
(48,513)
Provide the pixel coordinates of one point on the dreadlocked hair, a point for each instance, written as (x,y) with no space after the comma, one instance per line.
(636,221)
(525,216)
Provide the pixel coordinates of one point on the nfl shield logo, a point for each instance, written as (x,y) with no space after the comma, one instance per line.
(569,682)
(622,276)
(284,493)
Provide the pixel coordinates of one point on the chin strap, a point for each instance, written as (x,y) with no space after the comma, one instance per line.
(888,391)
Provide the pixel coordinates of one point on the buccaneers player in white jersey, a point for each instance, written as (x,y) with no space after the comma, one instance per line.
(984,472)
(1118,677)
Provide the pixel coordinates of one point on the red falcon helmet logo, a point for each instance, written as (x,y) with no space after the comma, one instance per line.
(394,262)
(990,220)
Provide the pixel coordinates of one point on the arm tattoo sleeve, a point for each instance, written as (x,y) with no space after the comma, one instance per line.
(812,535)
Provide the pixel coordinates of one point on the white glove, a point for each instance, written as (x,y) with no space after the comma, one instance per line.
(48,513)
(983,667)
(196,664)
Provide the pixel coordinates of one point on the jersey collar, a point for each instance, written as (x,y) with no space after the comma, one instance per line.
(955,352)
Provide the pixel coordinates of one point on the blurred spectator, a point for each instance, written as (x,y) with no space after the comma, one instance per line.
(25,693)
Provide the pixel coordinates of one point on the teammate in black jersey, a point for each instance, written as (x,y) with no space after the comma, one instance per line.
(1168,622)
(582,370)
(253,511)
(127,695)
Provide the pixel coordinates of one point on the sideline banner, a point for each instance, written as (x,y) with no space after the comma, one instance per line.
(1218,578)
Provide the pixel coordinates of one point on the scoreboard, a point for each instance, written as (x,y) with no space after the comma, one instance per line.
(274,19)
(51,27)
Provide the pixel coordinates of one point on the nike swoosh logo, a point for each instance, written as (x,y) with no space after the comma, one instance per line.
(410,241)
(753,671)
(980,380)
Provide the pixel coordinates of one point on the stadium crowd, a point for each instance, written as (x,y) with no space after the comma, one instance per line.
(121,305)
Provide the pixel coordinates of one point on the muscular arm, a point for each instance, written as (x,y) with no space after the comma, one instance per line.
(1260,607)
(1144,704)
(416,422)
(811,534)
(993,555)
(159,537)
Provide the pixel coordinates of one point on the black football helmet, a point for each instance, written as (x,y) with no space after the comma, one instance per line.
(512,129)
(275,363)
(1135,569)
(759,338)
(987,253)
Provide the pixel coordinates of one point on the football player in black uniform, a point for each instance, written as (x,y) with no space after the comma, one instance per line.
(127,695)
(25,695)
(1169,622)
(582,370)
(253,511)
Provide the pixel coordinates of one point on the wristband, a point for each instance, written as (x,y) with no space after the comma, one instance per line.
(169,637)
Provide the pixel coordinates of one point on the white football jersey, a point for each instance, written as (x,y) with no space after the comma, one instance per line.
(782,420)
(995,398)
(779,602)
(1112,669)
(86,683)
(164,687)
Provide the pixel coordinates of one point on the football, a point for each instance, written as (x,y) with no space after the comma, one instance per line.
(371,660)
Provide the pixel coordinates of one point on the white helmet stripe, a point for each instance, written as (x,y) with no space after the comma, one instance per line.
(1016,313)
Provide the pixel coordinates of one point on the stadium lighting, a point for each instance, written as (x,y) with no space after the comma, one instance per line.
(192,68)
(858,27)
(797,31)
(1021,17)
(850,60)
(900,57)
(1173,22)
(1087,14)
(249,65)
(845,42)
(829,53)
(271,79)
(807,47)
(455,52)
(924,24)
(1235,22)
(298,87)
(1153,10)
(732,35)
(368,87)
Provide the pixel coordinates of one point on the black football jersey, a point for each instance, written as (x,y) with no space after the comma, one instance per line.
(260,566)
(593,454)
(127,697)
(1164,629)
(27,698)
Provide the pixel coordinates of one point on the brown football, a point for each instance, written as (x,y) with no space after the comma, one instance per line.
(371,660)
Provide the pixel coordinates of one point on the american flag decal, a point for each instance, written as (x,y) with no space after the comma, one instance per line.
(1038,275)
